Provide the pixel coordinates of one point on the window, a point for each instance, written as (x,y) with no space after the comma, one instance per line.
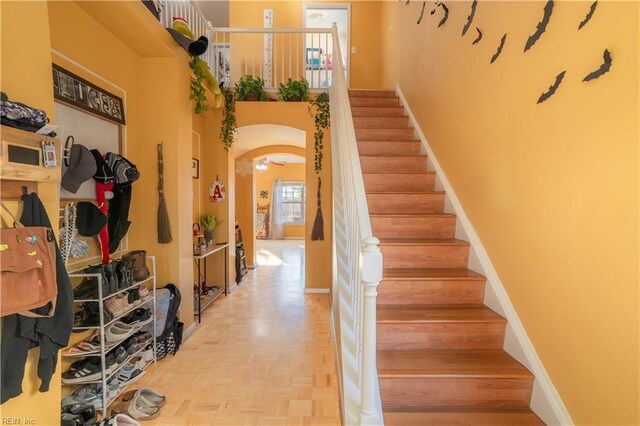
(293,195)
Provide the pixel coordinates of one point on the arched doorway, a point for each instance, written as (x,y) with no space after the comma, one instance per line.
(264,154)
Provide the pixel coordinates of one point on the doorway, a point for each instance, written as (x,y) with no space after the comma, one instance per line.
(318,51)
(280,197)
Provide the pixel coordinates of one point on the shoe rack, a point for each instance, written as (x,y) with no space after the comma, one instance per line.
(105,346)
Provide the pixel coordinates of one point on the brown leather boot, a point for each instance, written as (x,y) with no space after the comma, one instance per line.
(140,269)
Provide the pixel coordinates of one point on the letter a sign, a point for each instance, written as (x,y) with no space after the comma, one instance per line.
(216,192)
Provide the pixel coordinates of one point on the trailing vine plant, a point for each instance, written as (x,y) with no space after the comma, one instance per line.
(198,91)
(319,110)
(228,131)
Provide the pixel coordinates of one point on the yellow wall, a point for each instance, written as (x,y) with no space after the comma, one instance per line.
(31,83)
(217,164)
(366,64)
(552,189)
(155,112)
(264,182)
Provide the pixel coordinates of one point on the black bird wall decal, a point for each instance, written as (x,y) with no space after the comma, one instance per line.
(589,15)
(604,68)
(470,17)
(541,27)
(424,4)
(552,89)
(446,14)
(499,51)
(479,36)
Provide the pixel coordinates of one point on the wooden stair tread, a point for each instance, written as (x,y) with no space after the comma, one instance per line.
(409,215)
(393,155)
(422,241)
(393,172)
(436,313)
(386,128)
(378,111)
(372,93)
(476,416)
(404,192)
(439,274)
(391,141)
(448,363)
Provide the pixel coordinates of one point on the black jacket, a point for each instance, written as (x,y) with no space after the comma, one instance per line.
(20,333)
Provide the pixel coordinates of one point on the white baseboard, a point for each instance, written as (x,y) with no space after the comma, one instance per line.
(545,400)
(316,291)
(189,331)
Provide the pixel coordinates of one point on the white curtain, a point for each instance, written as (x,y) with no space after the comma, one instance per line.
(276,215)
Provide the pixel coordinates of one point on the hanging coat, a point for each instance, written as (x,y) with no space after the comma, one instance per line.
(20,333)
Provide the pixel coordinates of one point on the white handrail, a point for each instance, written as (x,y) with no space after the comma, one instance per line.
(272,30)
(358,263)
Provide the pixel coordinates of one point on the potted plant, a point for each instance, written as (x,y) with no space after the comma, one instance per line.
(251,88)
(209,222)
(294,90)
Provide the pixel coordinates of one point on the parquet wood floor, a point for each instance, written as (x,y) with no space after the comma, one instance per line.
(263,355)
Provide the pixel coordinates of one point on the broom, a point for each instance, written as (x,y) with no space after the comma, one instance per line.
(317,233)
(164,227)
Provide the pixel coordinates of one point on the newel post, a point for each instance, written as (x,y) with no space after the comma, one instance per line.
(371,276)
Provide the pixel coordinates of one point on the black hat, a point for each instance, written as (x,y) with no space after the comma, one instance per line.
(89,219)
(124,171)
(82,167)
(103,174)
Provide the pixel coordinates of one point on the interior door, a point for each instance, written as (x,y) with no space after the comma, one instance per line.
(318,49)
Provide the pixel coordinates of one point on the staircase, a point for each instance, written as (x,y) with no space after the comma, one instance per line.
(440,357)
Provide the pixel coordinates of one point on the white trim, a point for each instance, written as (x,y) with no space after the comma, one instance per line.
(294,238)
(545,400)
(189,331)
(317,291)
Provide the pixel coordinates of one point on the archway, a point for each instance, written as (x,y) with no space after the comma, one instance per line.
(247,198)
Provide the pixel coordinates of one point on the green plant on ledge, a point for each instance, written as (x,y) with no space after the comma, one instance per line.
(319,110)
(209,222)
(228,130)
(294,90)
(251,88)
(198,91)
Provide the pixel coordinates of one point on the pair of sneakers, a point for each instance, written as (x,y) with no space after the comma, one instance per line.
(118,420)
(119,331)
(90,369)
(132,371)
(78,414)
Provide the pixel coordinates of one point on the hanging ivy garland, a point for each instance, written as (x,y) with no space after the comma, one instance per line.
(321,118)
(228,131)
(319,110)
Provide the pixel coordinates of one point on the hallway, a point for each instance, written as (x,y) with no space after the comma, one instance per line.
(264,355)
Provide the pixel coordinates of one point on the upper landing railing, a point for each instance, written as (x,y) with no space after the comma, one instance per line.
(273,54)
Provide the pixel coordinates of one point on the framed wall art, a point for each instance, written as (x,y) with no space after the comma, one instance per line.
(74,90)
(222,63)
(195,168)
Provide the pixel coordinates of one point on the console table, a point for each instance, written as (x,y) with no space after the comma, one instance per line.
(198,258)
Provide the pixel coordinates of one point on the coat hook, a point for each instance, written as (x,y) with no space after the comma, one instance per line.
(25,190)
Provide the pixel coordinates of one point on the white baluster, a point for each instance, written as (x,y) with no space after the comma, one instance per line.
(371,276)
